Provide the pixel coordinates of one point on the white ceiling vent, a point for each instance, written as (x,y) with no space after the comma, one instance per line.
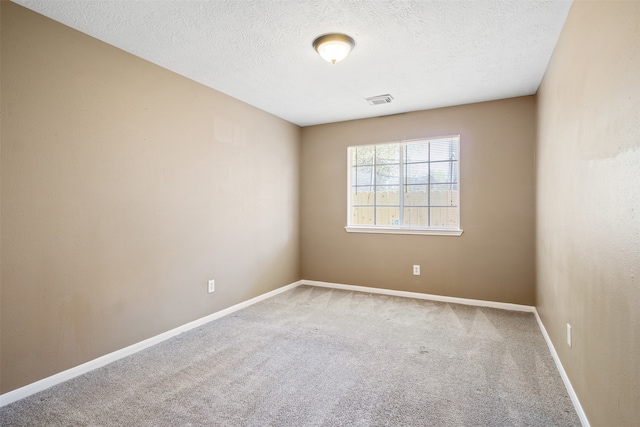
(380,99)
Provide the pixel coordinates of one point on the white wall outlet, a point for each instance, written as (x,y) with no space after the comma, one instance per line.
(569,335)
(416,270)
(212,286)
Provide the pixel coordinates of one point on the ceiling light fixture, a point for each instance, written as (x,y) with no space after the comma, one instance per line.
(333,47)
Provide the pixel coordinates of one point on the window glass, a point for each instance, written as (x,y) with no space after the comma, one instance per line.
(412,184)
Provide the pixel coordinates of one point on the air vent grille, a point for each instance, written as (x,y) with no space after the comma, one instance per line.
(380,99)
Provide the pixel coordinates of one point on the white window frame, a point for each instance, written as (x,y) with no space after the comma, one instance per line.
(401,229)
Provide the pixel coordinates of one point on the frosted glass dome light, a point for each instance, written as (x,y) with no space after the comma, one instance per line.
(333,47)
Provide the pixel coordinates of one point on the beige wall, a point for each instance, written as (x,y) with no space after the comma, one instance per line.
(588,217)
(492,260)
(125,188)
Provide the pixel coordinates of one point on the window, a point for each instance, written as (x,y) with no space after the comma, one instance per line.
(408,187)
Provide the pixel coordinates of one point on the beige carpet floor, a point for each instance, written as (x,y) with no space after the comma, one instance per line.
(324,357)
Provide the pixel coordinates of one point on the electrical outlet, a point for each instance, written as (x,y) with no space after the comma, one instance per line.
(212,286)
(416,270)
(569,335)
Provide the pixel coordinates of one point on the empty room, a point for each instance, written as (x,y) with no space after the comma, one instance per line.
(320,213)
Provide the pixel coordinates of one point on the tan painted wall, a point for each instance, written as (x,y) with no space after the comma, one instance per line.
(492,260)
(588,216)
(125,188)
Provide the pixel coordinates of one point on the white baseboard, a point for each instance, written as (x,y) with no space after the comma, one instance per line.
(53,380)
(563,373)
(63,376)
(500,305)
(416,295)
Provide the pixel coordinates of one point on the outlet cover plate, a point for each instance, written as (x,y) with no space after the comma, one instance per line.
(212,286)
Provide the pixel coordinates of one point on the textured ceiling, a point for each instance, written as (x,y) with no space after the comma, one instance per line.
(426,54)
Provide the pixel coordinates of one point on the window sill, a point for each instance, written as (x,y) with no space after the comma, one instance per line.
(401,230)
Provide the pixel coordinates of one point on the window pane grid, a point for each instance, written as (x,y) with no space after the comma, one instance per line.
(425,170)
